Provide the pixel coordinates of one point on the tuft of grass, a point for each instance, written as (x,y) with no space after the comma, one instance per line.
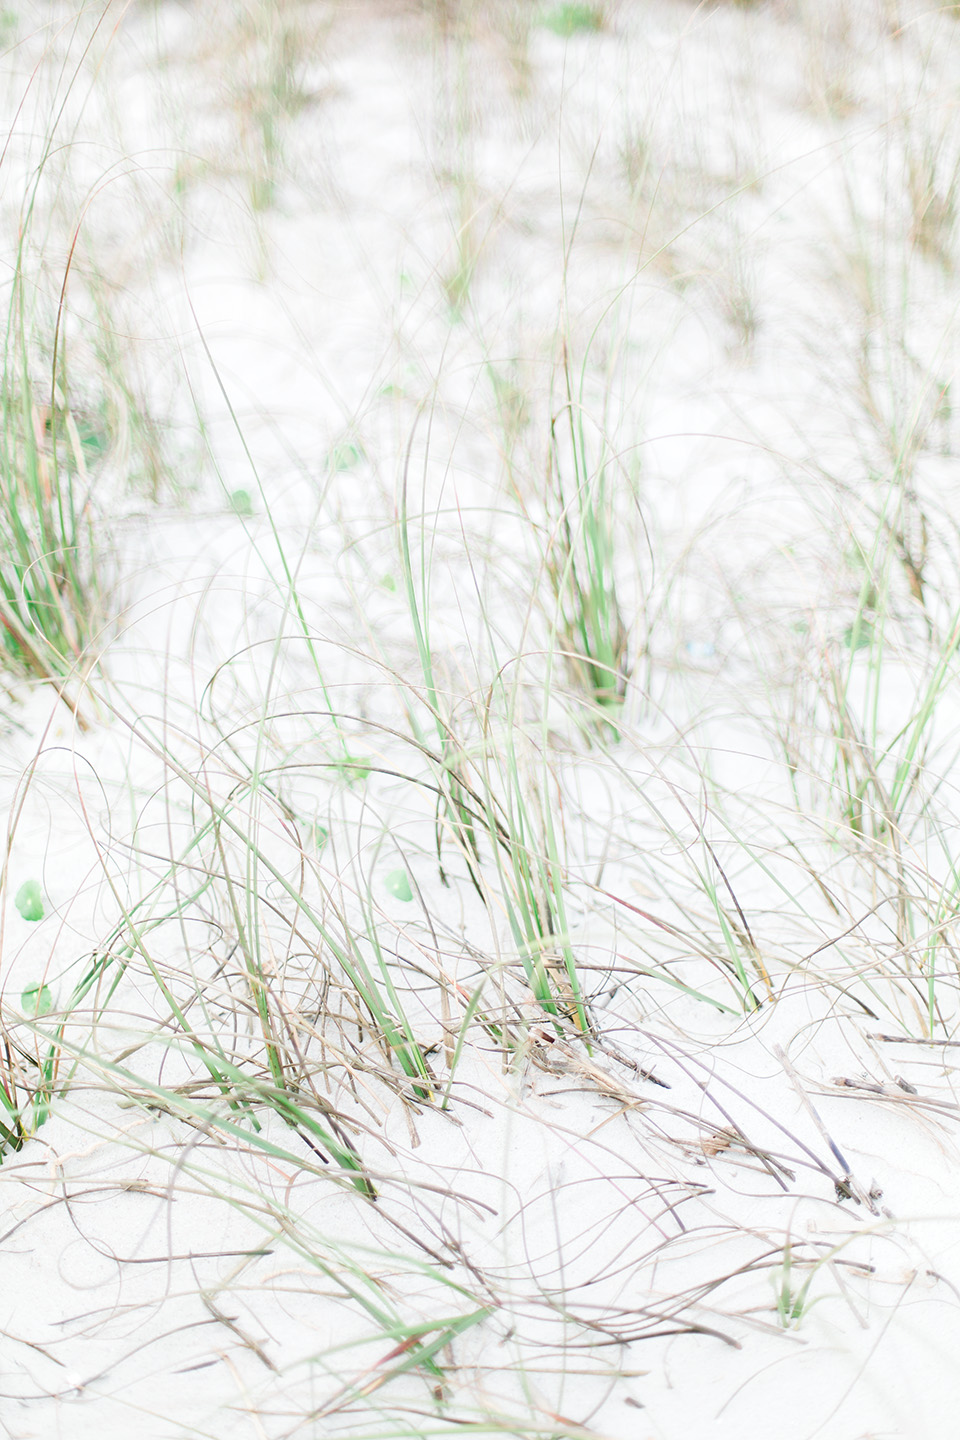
(50,601)
(580,560)
(792,1299)
(274,42)
(933,190)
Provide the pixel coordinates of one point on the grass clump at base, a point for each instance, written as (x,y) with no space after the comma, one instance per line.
(50,601)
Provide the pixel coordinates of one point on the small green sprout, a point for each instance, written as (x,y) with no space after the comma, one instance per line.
(567,19)
(345,455)
(37,1000)
(351,769)
(398,884)
(94,440)
(793,1303)
(241,503)
(29,900)
(858,636)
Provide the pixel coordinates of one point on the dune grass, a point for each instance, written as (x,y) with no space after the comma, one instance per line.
(497,954)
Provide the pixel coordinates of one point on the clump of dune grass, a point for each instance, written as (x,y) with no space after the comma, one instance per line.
(51,604)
